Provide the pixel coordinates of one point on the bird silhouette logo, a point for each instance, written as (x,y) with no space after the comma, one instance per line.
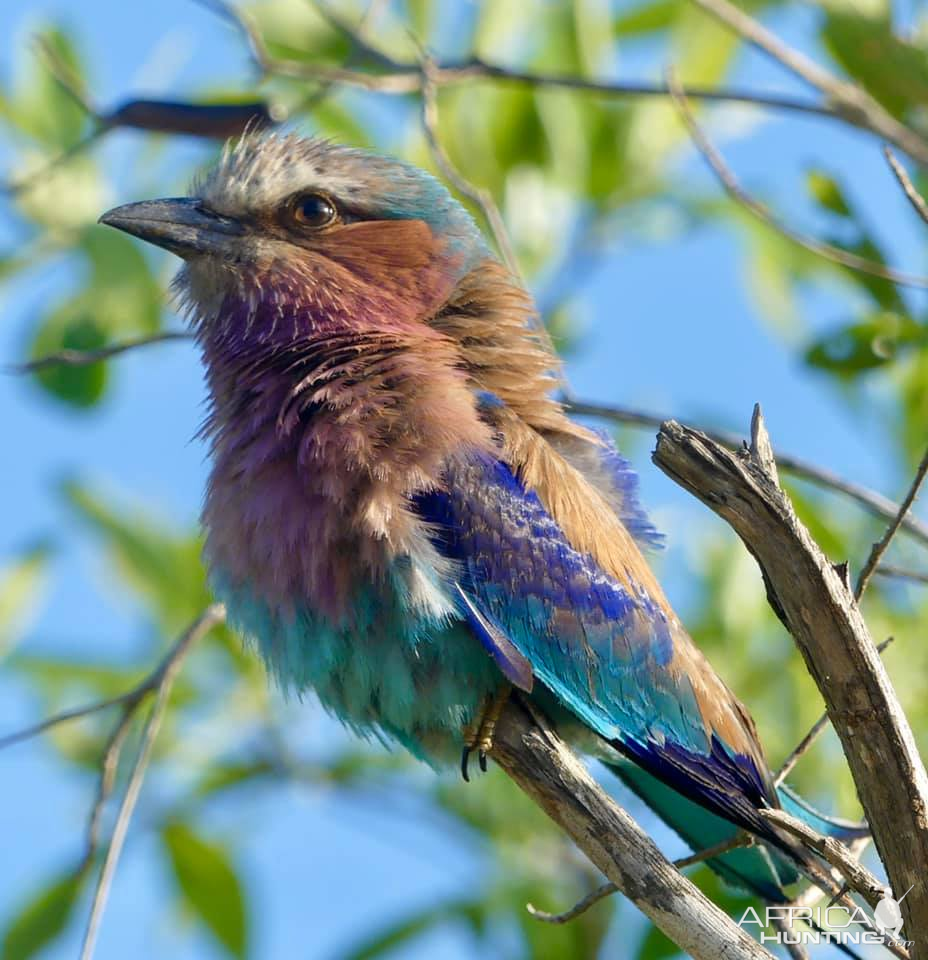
(888,915)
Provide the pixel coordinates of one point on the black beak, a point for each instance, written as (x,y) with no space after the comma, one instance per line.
(179,224)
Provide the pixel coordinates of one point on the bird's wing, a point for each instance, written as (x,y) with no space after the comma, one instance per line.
(607,646)
(596,456)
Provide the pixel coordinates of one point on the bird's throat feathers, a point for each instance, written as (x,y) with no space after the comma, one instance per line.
(332,403)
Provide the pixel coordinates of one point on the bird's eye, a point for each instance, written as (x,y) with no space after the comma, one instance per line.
(313,210)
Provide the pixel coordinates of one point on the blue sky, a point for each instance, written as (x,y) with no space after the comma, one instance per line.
(672,327)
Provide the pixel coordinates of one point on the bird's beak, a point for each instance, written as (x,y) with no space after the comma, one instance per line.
(179,224)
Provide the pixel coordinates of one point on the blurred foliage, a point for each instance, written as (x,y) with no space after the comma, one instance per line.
(567,169)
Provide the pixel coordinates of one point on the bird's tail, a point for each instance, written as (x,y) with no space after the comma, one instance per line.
(843,830)
(763,869)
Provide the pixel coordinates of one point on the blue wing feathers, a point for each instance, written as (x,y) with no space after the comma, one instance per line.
(602,650)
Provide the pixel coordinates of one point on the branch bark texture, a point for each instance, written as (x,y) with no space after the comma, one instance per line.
(815,601)
(549,772)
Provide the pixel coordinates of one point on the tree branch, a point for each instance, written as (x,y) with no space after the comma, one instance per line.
(846,100)
(882,545)
(815,731)
(607,889)
(815,601)
(874,502)
(859,878)
(84,358)
(548,772)
(905,181)
(483,198)
(160,680)
(900,573)
(843,101)
(759,210)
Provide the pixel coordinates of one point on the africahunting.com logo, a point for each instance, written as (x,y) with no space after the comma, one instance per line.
(832,924)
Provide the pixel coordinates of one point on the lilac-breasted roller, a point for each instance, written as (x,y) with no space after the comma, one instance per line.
(402,518)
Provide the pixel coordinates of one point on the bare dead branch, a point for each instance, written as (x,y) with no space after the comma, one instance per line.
(858,877)
(874,502)
(919,205)
(547,771)
(737,842)
(815,602)
(759,210)
(166,674)
(578,909)
(882,545)
(846,100)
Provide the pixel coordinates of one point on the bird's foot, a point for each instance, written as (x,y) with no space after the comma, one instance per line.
(479,734)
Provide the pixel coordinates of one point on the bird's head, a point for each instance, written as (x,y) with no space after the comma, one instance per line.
(288,235)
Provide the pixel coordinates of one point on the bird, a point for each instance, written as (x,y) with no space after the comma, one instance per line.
(402,518)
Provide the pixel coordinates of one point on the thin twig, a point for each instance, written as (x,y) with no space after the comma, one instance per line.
(843,102)
(607,889)
(737,842)
(83,358)
(812,598)
(734,190)
(108,767)
(874,502)
(66,716)
(483,198)
(881,546)
(905,181)
(403,78)
(590,900)
(846,100)
(129,700)
(64,76)
(815,731)
(212,616)
(900,573)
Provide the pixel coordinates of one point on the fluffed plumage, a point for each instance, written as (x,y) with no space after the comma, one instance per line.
(399,514)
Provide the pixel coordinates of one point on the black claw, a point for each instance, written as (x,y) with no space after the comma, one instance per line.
(465,757)
(483,761)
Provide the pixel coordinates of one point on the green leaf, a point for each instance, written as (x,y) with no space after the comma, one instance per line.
(39,107)
(162,565)
(827,192)
(70,327)
(893,71)
(421,17)
(647,18)
(407,929)
(224,776)
(657,946)
(125,292)
(209,884)
(852,349)
(21,583)
(42,919)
